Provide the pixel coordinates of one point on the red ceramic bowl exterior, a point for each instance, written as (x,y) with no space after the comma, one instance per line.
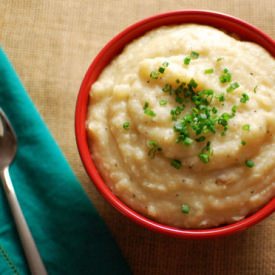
(222,21)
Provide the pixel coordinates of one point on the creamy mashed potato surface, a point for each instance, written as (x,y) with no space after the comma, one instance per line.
(181,126)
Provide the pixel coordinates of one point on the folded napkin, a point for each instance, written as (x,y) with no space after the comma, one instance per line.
(70,235)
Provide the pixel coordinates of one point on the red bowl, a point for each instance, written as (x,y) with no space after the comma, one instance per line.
(222,21)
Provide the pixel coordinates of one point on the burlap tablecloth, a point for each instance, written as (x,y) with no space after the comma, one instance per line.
(51,44)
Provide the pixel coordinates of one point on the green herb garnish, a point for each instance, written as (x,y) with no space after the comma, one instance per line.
(200,118)
(179,99)
(243,142)
(249,163)
(188,141)
(246,127)
(205,153)
(126,125)
(176,112)
(224,118)
(163,102)
(232,87)
(200,139)
(204,157)
(209,71)
(194,55)
(225,76)
(146,105)
(214,110)
(244,98)
(161,70)
(154,75)
(192,83)
(185,209)
(153,148)
(187,60)
(221,97)
(233,110)
(176,163)
(147,110)
(163,67)
(167,88)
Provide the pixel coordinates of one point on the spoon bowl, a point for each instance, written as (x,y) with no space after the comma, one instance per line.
(8,141)
(8,148)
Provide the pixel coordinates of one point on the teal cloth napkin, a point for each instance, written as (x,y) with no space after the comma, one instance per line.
(70,235)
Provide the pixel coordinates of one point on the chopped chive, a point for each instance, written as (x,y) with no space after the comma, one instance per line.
(246,127)
(224,118)
(243,142)
(208,92)
(167,88)
(163,102)
(176,112)
(146,105)
(186,60)
(192,83)
(161,70)
(154,148)
(214,110)
(249,163)
(176,163)
(204,157)
(179,99)
(188,141)
(219,59)
(152,143)
(225,76)
(154,75)
(223,133)
(255,89)
(180,127)
(209,71)
(206,151)
(194,55)
(147,110)
(234,109)
(244,98)
(126,125)
(221,98)
(200,139)
(232,87)
(185,209)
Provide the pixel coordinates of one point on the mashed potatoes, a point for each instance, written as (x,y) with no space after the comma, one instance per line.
(181,126)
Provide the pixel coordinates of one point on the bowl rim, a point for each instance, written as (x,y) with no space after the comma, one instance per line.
(105,55)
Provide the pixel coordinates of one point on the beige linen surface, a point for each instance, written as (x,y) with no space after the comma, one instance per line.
(51,44)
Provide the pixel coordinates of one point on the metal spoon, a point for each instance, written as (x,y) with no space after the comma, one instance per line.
(8,146)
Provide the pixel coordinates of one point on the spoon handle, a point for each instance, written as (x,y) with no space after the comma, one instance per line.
(33,258)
